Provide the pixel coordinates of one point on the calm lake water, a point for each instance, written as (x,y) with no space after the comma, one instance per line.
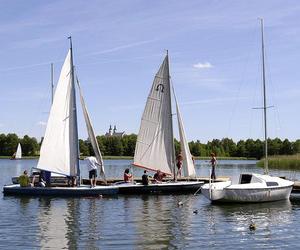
(145,222)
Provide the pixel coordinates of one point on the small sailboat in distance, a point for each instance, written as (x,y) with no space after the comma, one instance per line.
(18,154)
(60,149)
(252,187)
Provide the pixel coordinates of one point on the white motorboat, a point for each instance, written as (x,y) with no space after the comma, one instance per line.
(252,187)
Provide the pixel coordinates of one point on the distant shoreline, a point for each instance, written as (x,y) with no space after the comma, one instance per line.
(131,158)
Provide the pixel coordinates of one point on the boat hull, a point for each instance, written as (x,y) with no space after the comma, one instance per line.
(248,195)
(161,188)
(60,191)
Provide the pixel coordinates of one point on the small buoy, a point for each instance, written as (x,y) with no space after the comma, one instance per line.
(180,203)
(252,226)
(195,211)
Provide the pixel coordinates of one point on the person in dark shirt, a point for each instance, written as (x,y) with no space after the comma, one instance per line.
(145,179)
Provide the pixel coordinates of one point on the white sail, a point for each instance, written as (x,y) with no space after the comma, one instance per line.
(154,147)
(59,150)
(188,163)
(19,152)
(91,133)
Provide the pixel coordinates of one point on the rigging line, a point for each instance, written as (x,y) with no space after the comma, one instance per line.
(38,110)
(254,94)
(242,82)
(274,96)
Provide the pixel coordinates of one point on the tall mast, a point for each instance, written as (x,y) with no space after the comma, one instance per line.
(266,170)
(74,129)
(52,84)
(172,132)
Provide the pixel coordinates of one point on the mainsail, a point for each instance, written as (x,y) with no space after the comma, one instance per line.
(91,132)
(59,150)
(188,164)
(155,147)
(19,152)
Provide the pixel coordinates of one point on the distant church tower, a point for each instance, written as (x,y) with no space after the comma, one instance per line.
(113,132)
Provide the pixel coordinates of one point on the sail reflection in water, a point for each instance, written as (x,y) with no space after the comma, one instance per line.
(140,222)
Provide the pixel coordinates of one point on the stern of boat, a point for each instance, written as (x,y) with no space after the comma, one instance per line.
(215,191)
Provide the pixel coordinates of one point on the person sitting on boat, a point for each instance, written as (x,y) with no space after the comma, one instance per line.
(92,164)
(24,180)
(40,175)
(145,179)
(213,162)
(158,176)
(179,161)
(72,181)
(127,176)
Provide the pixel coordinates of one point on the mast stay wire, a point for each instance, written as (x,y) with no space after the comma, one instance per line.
(241,83)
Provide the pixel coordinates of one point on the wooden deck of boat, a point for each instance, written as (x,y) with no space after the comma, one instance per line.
(115,180)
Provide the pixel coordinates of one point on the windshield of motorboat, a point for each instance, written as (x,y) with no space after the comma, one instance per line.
(249,178)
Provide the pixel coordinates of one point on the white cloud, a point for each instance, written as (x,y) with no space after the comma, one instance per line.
(42,123)
(205,65)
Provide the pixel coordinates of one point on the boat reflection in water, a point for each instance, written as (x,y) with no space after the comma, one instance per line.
(268,218)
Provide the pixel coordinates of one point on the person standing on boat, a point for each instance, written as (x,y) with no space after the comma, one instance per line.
(179,160)
(213,162)
(92,165)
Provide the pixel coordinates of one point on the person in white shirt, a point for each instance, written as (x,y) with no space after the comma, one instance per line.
(92,165)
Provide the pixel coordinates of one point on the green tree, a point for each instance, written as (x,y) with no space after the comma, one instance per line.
(10,145)
(84,147)
(29,145)
(286,147)
(114,146)
(128,142)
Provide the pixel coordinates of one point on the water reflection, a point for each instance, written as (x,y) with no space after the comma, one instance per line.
(144,222)
(234,220)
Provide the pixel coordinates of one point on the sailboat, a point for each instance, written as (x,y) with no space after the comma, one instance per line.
(59,152)
(252,187)
(155,141)
(18,154)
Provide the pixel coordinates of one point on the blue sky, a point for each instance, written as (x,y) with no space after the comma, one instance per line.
(214,49)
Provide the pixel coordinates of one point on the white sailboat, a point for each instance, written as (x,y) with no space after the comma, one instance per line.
(252,187)
(60,150)
(19,152)
(155,142)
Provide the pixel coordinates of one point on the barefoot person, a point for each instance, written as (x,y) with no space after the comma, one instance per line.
(213,162)
(92,165)
(179,162)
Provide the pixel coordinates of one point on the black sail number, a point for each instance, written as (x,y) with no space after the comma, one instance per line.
(160,87)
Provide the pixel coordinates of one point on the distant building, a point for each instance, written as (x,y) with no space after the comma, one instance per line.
(113,132)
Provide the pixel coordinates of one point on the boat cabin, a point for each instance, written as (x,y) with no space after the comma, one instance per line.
(250,178)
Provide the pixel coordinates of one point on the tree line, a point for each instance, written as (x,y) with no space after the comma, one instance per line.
(125,146)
